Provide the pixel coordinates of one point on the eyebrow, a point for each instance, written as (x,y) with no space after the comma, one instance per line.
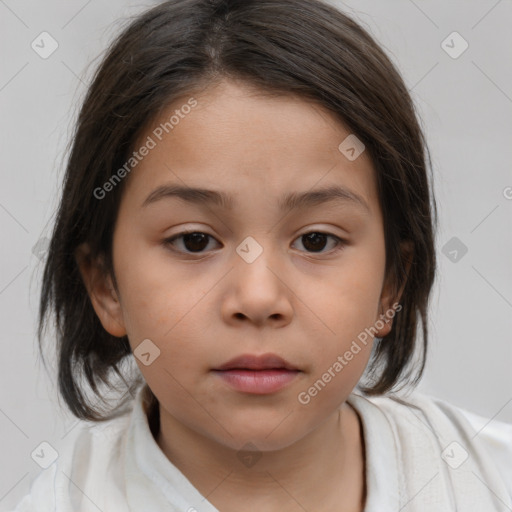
(291,201)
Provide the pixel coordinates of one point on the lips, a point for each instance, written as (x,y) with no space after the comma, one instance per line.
(257,362)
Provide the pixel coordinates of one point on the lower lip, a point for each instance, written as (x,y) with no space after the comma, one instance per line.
(258,382)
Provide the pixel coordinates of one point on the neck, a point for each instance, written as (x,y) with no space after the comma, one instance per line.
(329,457)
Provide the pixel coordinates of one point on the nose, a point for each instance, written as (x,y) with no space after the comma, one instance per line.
(258,292)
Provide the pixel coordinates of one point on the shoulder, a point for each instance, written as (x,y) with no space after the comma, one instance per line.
(86,456)
(443,418)
(465,441)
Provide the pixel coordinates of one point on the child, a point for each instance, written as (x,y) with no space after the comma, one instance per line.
(247,216)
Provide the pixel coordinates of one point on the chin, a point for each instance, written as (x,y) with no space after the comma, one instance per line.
(265,436)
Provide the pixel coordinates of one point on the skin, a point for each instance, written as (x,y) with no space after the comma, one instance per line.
(203,308)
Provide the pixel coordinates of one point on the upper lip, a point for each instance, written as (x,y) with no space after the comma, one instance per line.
(257,362)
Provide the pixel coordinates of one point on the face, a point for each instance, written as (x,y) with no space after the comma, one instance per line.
(263,273)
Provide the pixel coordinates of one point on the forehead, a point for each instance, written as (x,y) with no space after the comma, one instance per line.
(237,138)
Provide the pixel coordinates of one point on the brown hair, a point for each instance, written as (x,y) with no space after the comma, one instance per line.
(302,47)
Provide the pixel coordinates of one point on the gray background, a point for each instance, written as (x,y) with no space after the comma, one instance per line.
(465,105)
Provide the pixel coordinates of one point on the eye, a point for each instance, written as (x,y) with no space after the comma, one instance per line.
(193,241)
(196,242)
(315,241)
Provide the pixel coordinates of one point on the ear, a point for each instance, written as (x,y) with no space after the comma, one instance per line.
(390,296)
(101,291)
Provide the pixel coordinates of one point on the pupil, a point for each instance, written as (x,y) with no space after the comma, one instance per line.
(317,240)
(195,241)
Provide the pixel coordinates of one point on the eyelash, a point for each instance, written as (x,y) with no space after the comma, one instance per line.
(340,243)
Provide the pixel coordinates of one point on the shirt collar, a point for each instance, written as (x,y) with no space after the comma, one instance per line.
(153,481)
(382,483)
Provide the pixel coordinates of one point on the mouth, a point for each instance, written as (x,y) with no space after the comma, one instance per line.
(257,362)
(259,375)
(257,382)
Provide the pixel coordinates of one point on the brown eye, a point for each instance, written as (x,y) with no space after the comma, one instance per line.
(192,241)
(316,241)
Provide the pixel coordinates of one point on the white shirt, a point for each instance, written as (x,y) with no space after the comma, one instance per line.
(422,454)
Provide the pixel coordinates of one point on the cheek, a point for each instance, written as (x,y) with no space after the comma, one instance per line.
(168,315)
(345,306)
(347,298)
(168,308)
(156,295)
